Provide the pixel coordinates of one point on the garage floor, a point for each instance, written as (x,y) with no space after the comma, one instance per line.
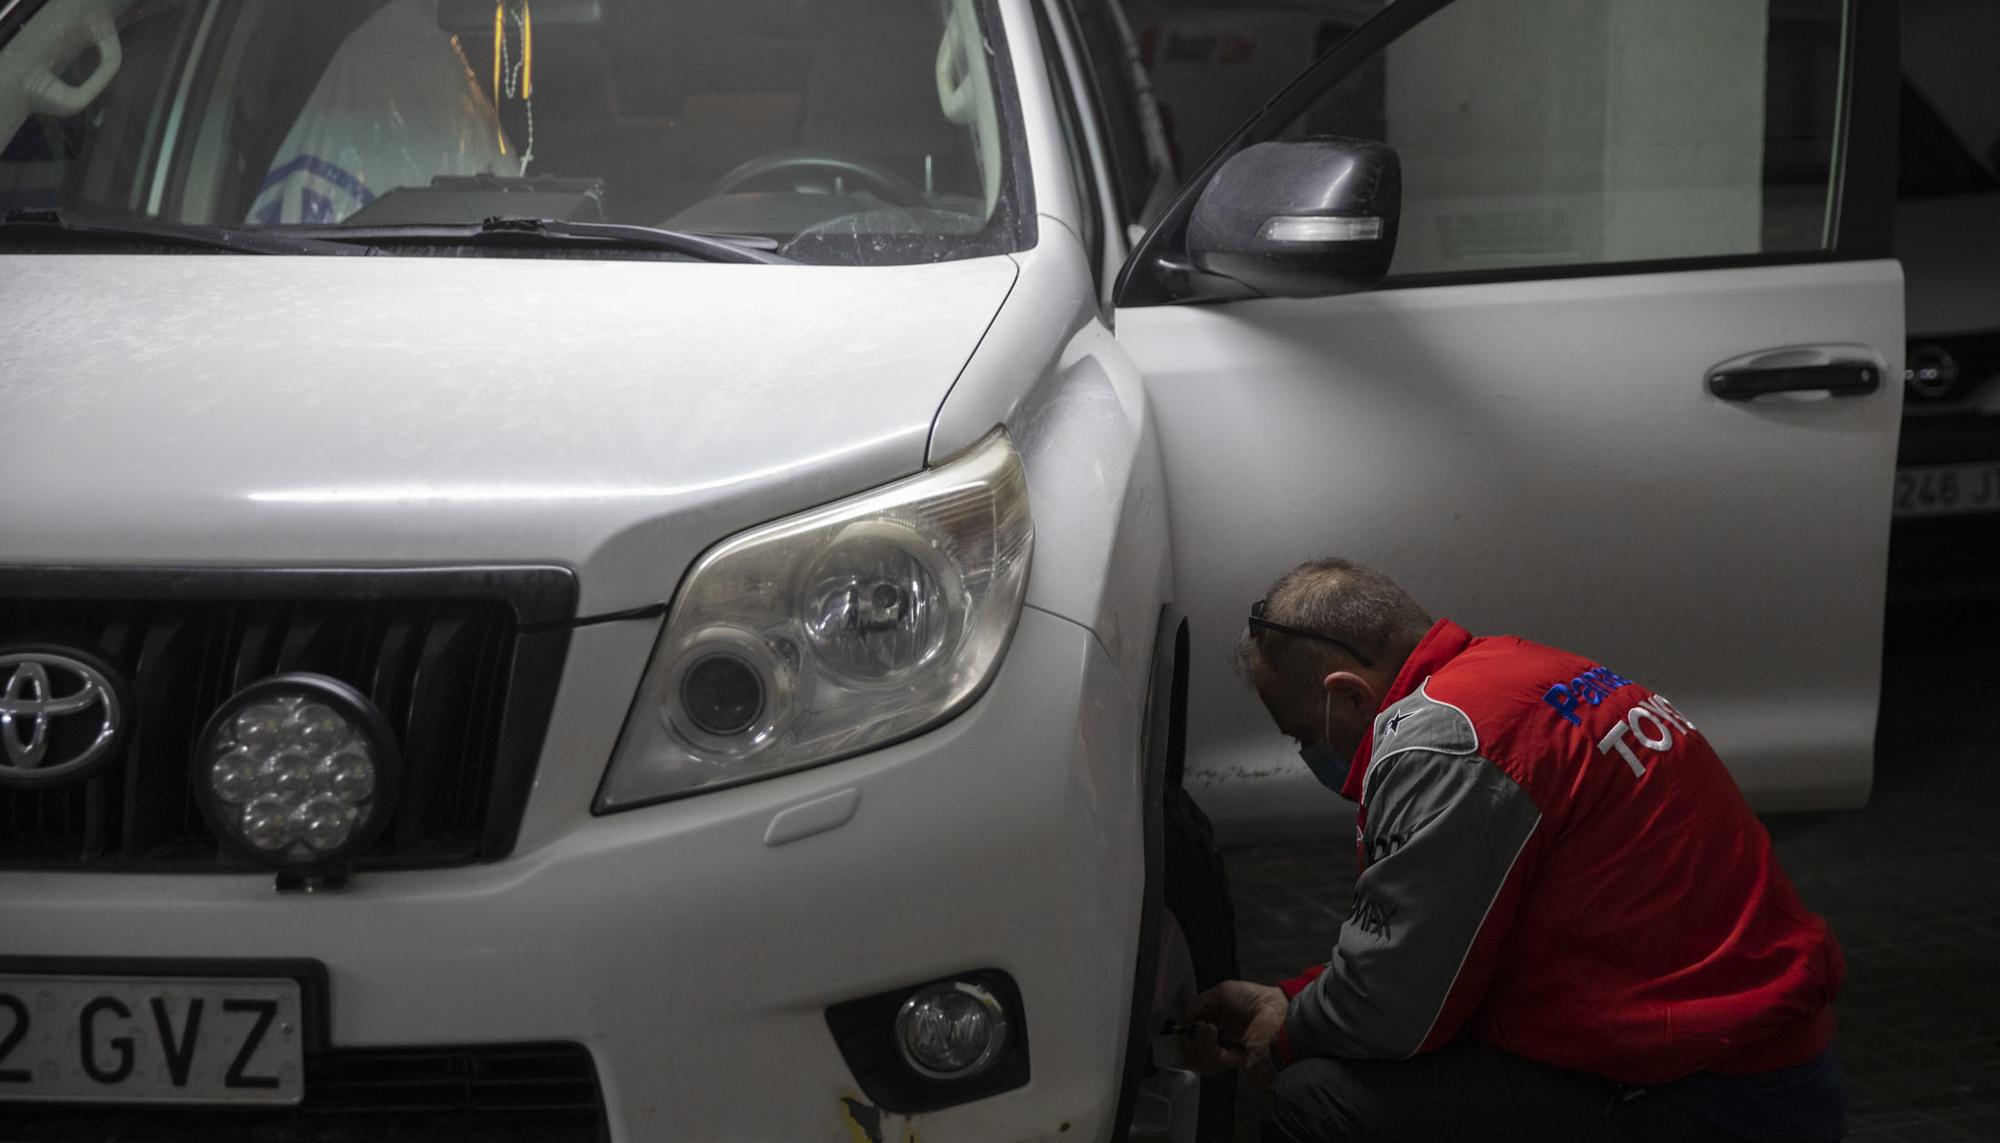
(1911,885)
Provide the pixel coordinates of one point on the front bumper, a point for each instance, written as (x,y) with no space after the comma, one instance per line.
(696,961)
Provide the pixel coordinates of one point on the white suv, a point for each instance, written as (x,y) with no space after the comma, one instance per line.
(615,569)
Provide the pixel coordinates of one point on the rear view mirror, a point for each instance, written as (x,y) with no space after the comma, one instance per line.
(1306,219)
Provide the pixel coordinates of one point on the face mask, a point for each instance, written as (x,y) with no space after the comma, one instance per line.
(1322,759)
(1326,764)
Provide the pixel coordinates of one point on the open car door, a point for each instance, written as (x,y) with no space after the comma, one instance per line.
(1617,367)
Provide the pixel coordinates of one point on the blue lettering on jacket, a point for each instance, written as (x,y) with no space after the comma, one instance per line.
(1592,686)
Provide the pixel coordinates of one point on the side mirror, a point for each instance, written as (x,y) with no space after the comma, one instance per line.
(1308,219)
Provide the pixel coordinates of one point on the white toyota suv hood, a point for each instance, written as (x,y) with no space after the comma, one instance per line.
(614,417)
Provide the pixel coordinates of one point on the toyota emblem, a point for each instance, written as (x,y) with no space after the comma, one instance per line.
(61,716)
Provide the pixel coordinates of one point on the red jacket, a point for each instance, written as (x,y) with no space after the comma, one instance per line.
(1556,864)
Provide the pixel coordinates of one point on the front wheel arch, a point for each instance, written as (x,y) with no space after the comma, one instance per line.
(1185,880)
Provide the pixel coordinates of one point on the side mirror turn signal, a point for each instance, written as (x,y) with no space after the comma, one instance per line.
(1305,219)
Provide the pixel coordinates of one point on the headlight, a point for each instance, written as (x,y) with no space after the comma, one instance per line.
(833,632)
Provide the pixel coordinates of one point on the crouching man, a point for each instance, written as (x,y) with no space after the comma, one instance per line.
(1568,925)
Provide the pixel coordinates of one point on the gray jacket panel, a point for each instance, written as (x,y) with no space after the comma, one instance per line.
(1444,829)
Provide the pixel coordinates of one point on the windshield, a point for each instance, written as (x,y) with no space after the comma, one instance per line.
(830,131)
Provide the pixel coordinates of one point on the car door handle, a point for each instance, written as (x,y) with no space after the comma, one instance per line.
(1832,379)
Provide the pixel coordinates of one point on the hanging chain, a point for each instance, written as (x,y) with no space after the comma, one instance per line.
(515,79)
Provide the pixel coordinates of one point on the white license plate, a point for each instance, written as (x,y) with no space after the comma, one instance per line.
(124,1039)
(1948,489)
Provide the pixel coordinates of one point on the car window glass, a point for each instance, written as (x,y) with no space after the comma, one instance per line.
(838,130)
(1542,134)
(1110,56)
(1215,62)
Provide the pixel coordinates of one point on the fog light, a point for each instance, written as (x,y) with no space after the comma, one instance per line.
(297,771)
(951,1031)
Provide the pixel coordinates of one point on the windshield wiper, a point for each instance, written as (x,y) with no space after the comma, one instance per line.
(354,240)
(240,241)
(505,229)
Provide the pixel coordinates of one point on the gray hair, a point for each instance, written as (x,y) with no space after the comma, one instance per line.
(1340,599)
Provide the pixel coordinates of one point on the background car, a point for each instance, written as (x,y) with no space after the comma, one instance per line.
(1946,537)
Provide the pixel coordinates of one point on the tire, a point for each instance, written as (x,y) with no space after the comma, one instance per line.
(1188,934)
(1197,894)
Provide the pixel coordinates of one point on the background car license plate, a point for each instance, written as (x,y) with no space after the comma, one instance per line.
(1948,489)
(213,1040)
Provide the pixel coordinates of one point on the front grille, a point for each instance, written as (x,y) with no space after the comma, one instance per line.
(531,1093)
(442,653)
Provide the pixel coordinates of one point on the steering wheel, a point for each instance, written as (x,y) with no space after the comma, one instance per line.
(886,184)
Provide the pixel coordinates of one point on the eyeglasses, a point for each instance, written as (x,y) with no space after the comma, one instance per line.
(1257,620)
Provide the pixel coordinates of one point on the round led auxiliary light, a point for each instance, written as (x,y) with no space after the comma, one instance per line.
(297,772)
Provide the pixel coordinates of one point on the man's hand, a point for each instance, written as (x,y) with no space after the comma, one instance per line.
(1238,1010)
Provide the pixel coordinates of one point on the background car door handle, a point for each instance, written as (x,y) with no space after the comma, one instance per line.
(1836,379)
